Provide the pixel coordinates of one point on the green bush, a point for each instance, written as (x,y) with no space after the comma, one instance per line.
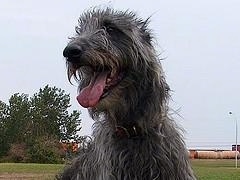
(17,153)
(46,150)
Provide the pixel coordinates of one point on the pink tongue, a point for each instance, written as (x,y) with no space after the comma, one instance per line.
(90,95)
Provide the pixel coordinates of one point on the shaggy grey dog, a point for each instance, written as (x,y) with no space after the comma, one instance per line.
(123,86)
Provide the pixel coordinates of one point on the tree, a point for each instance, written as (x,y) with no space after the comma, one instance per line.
(18,119)
(50,116)
(70,127)
(28,122)
(14,120)
(3,138)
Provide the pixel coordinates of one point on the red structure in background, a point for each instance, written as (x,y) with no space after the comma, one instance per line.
(70,147)
(234,148)
(212,154)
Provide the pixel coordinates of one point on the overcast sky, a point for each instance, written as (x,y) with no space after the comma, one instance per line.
(199,39)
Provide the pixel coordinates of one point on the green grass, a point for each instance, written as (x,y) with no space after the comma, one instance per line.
(215,169)
(204,170)
(29,168)
(29,171)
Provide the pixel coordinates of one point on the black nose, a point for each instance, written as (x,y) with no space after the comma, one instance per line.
(72,51)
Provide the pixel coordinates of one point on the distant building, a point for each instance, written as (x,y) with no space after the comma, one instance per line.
(234,147)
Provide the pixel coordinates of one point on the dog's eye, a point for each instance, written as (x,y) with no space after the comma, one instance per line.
(109,29)
(107,26)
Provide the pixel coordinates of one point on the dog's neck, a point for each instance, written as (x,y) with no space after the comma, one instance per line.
(132,121)
(129,128)
(127,132)
(125,126)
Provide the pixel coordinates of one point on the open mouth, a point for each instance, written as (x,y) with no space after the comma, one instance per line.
(99,87)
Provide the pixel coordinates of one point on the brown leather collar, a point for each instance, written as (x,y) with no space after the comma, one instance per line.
(124,132)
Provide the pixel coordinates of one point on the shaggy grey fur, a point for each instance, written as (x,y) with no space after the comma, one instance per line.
(134,137)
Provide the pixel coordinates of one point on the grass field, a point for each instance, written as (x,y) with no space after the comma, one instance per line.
(22,171)
(204,170)
(216,169)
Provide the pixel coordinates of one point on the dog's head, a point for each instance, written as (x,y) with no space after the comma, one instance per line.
(113,58)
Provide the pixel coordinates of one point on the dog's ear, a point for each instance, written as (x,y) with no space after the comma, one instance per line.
(146,33)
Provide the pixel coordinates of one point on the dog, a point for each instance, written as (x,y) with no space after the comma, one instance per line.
(122,84)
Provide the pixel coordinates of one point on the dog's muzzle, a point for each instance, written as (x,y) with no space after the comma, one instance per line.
(72,52)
